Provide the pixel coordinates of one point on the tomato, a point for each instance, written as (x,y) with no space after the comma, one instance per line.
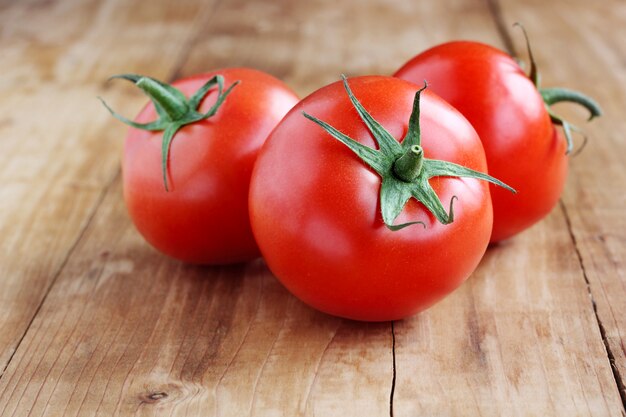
(321,225)
(195,208)
(513,119)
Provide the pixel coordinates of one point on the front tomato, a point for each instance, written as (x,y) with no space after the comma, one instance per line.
(188,197)
(324,220)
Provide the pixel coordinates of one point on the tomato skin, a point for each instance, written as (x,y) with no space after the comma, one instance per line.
(523,147)
(203,218)
(315,211)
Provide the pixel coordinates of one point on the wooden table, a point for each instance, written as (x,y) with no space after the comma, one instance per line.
(95,322)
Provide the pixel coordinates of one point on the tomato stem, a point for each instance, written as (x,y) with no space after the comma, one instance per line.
(174,105)
(534,73)
(174,109)
(402,167)
(409,166)
(556,95)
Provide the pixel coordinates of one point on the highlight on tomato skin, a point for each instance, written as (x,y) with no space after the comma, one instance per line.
(186,176)
(526,143)
(331,218)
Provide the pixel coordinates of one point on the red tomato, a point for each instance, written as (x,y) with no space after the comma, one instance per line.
(316,214)
(508,111)
(203,216)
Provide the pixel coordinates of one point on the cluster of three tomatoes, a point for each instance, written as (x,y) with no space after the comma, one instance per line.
(370,198)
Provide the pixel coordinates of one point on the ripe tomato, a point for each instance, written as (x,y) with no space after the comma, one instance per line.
(192,203)
(512,117)
(315,207)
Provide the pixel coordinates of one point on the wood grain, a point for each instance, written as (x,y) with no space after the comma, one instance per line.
(581,45)
(531,344)
(512,341)
(107,326)
(310,43)
(127,331)
(59,149)
(279,341)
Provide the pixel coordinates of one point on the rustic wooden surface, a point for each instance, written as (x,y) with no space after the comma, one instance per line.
(94,322)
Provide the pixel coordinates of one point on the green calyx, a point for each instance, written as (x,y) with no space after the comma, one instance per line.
(174,109)
(556,95)
(402,166)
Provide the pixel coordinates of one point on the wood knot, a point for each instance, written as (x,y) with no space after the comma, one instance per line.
(153,397)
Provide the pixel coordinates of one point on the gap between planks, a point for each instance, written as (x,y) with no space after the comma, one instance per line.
(192,40)
(175,72)
(611,357)
(504,33)
(393,378)
(496,12)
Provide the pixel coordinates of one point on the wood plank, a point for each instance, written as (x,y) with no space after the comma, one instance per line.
(332,37)
(237,337)
(59,148)
(126,331)
(588,54)
(520,337)
(336,364)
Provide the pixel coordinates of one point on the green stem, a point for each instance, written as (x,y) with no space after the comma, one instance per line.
(175,107)
(402,167)
(557,95)
(175,110)
(408,167)
(534,74)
